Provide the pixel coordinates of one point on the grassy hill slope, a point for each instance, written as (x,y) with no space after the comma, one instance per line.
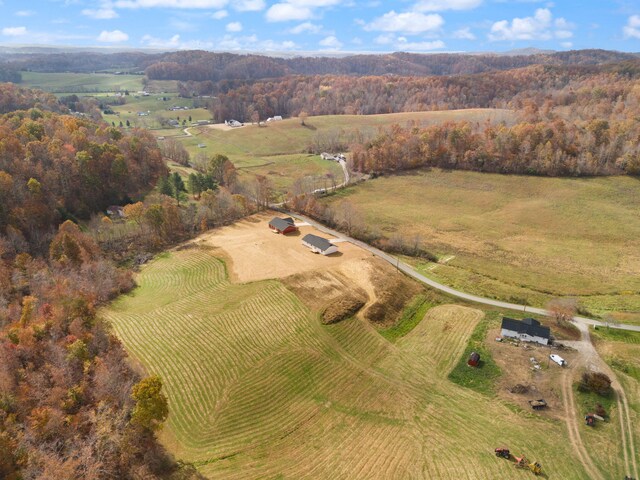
(258,388)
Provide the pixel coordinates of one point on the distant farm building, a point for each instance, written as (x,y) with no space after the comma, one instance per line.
(329,156)
(319,245)
(282,225)
(527,330)
(115,211)
(474,359)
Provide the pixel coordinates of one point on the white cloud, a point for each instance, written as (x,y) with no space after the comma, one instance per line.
(331,43)
(297,9)
(440,5)
(220,14)
(14,31)
(567,44)
(234,27)
(100,13)
(181,4)
(282,12)
(632,28)
(248,5)
(174,43)
(306,27)
(539,27)
(402,43)
(25,13)
(409,22)
(464,33)
(115,36)
(251,42)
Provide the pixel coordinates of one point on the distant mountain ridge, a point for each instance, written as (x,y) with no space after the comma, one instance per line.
(199,65)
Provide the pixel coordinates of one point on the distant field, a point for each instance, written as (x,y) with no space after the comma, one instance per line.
(518,238)
(258,388)
(81,82)
(155,108)
(278,149)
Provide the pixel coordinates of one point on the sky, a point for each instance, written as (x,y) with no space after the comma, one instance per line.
(325,25)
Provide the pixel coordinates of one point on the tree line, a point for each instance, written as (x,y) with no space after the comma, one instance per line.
(516,89)
(71,406)
(198,65)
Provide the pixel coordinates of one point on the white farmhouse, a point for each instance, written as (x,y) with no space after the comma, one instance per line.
(527,330)
(319,245)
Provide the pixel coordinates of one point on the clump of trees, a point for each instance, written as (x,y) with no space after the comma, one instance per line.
(596,382)
(56,167)
(553,148)
(175,151)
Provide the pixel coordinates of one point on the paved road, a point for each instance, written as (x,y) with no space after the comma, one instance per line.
(444,288)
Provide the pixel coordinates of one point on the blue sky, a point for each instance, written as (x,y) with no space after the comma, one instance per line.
(325,25)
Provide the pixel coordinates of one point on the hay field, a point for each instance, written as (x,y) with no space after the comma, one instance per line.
(518,238)
(258,388)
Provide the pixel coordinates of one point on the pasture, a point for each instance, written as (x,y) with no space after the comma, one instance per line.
(81,83)
(517,238)
(622,354)
(259,388)
(157,108)
(278,150)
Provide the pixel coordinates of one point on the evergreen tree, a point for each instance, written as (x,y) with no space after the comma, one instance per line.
(177,185)
(164,187)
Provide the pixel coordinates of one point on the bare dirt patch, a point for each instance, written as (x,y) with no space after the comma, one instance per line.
(522,381)
(253,252)
(223,127)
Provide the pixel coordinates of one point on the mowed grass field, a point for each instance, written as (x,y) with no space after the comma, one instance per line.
(258,388)
(518,238)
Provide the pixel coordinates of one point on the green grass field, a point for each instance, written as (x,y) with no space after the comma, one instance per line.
(278,150)
(81,82)
(258,388)
(518,238)
(157,108)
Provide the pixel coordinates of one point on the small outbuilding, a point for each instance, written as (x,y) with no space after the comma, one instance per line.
(319,245)
(282,225)
(115,211)
(526,330)
(474,359)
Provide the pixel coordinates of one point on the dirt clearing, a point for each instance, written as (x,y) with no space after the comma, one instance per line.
(253,252)
(223,126)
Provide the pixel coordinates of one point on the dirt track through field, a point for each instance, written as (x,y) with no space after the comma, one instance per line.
(589,359)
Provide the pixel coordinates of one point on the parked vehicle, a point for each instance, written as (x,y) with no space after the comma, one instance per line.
(558,359)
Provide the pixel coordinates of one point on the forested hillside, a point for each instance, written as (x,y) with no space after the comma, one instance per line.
(199,65)
(54,167)
(71,406)
(515,89)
